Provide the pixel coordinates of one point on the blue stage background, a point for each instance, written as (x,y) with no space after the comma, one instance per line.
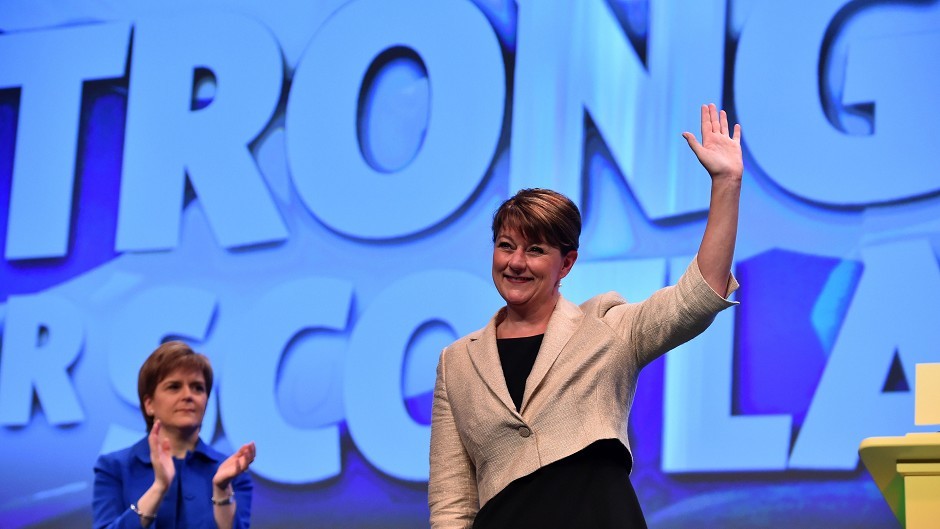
(303,191)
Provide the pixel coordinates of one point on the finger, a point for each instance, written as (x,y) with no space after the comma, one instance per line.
(693,143)
(723,122)
(713,117)
(706,122)
(248,450)
(737,133)
(154,436)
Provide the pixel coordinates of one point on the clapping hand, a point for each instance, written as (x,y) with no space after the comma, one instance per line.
(234,465)
(160,456)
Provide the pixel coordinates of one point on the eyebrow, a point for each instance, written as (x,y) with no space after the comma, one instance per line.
(180,380)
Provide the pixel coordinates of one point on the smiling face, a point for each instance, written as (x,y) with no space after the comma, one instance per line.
(526,273)
(179,400)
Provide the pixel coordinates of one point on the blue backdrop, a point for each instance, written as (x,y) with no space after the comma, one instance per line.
(303,191)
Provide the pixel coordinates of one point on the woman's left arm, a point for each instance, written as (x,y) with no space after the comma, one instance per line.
(231,490)
(720,154)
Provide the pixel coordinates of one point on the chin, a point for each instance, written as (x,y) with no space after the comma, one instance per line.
(516,300)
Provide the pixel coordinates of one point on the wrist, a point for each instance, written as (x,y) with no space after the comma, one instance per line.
(159,487)
(726,187)
(220,500)
(144,516)
(732,179)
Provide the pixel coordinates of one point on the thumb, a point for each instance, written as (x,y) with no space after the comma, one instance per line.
(690,138)
(697,148)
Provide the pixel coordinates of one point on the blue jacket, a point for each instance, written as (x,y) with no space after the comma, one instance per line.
(122,477)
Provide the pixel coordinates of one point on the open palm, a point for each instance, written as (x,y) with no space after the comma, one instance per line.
(160,456)
(720,151)
(234,465)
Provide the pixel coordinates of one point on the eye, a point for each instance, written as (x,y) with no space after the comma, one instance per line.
(503,245)
(199,388)
(538,250)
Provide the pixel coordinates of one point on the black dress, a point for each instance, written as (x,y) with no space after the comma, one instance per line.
(590,488)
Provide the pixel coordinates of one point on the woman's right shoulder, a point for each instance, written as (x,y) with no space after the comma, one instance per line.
(124,455)
(460,344)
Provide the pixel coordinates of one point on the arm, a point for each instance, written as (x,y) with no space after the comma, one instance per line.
(111,508)
(670,317)
(163,473)
(720,154)
(243,487)
(452,490)
(231,481)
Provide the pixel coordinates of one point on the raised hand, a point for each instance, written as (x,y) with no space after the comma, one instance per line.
(719,152)
(160,455)
(234,465)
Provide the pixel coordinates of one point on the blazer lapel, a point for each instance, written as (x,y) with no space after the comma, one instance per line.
(561,327)
(485,358)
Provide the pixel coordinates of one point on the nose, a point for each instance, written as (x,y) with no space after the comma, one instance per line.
(517,260)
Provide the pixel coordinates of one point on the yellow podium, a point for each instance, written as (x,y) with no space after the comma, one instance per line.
(907,468)
(907,471)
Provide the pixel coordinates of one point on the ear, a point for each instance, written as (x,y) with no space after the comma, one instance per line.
(148,405)
(567,262)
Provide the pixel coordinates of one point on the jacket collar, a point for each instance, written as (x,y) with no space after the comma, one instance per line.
(484,353)
(141,450)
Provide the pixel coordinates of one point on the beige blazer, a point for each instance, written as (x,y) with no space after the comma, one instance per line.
(579,391)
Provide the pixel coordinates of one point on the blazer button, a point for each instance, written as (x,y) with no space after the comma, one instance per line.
(524,432)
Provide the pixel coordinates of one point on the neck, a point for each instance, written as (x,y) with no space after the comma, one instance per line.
(182,441)
(520,321)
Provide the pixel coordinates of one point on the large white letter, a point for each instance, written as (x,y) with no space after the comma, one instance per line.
(51,66)
(42,338)
(167,139)
(252,359)
(699,432)
(573,57)
(897,74)
(886,317)
(465,70)
(378,420)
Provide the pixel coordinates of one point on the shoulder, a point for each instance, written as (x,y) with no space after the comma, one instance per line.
(599,305)
(463,342)
(457,353)
(139,451)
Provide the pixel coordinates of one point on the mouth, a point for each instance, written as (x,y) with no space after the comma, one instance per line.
(517,279)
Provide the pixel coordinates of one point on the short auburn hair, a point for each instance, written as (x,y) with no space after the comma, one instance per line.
(541,215)
(163,361)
